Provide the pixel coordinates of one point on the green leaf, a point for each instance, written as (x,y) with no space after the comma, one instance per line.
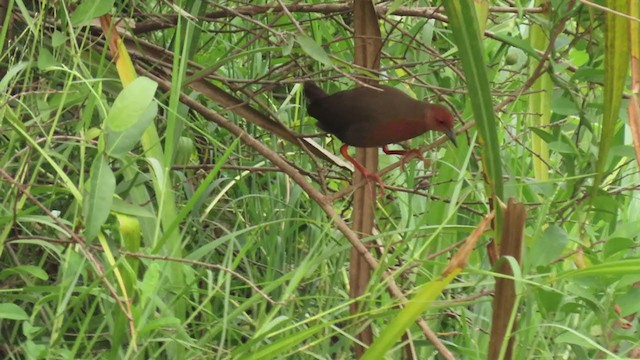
(286,50)
(616,245)
(131,104)
(163,322)
(118,143)
(314,50)
(129,232)
(185,148)
(605,207)
(11,73)
(578,57)
(99,196)
(623,150)
(464,26)
(518,43)
(550,246)
(395,5)
(549,301)
(12,312)
(46,59)
(575,339)
(547,137)
(58,38)
(628,301)
(149,283)
(611,268)
(561,147)
(588,74)
(564,105)
(89,10)
(616,64)
(127,208)
(32,270)
(627,229)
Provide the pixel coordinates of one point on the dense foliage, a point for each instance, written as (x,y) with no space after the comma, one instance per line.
(136,223)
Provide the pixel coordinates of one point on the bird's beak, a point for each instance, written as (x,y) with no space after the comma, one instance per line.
(452,136)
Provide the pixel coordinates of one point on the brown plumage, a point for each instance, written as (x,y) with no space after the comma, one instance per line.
(366,117)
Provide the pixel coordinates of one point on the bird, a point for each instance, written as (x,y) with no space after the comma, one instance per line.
(375,117)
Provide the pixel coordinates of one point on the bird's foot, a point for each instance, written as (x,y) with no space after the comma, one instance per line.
(366,173)
(406,154)
(372,176)
(405,159)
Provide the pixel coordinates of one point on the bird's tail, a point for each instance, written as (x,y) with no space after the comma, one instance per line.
(312,91)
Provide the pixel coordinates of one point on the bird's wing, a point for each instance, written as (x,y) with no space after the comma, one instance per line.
(346,108)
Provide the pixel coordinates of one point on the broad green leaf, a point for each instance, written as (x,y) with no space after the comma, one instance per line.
(131,104)
(623,151)
(519,44)
(548,300)
(605,207)
(58,38)
(550,246)
(561,147)
(628,301)
(46,59)
(89,10)
(616,245)
(149,283)
(588,74)
(127,208)
(578,57)
(564,105)
(129,228)
(548,137)
(97,201)
(314,50)
(395,5)
(482,11)
(575,339)
(184,150)
(118,143)
(12,312)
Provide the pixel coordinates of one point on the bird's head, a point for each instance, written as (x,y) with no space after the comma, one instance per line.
(439,118)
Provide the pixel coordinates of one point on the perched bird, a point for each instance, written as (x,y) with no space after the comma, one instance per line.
(366,117)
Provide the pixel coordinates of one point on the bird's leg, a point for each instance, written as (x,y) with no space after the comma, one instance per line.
(405,154)
(362,169)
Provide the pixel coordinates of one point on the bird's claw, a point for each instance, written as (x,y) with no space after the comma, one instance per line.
(405,158)
(377,179)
